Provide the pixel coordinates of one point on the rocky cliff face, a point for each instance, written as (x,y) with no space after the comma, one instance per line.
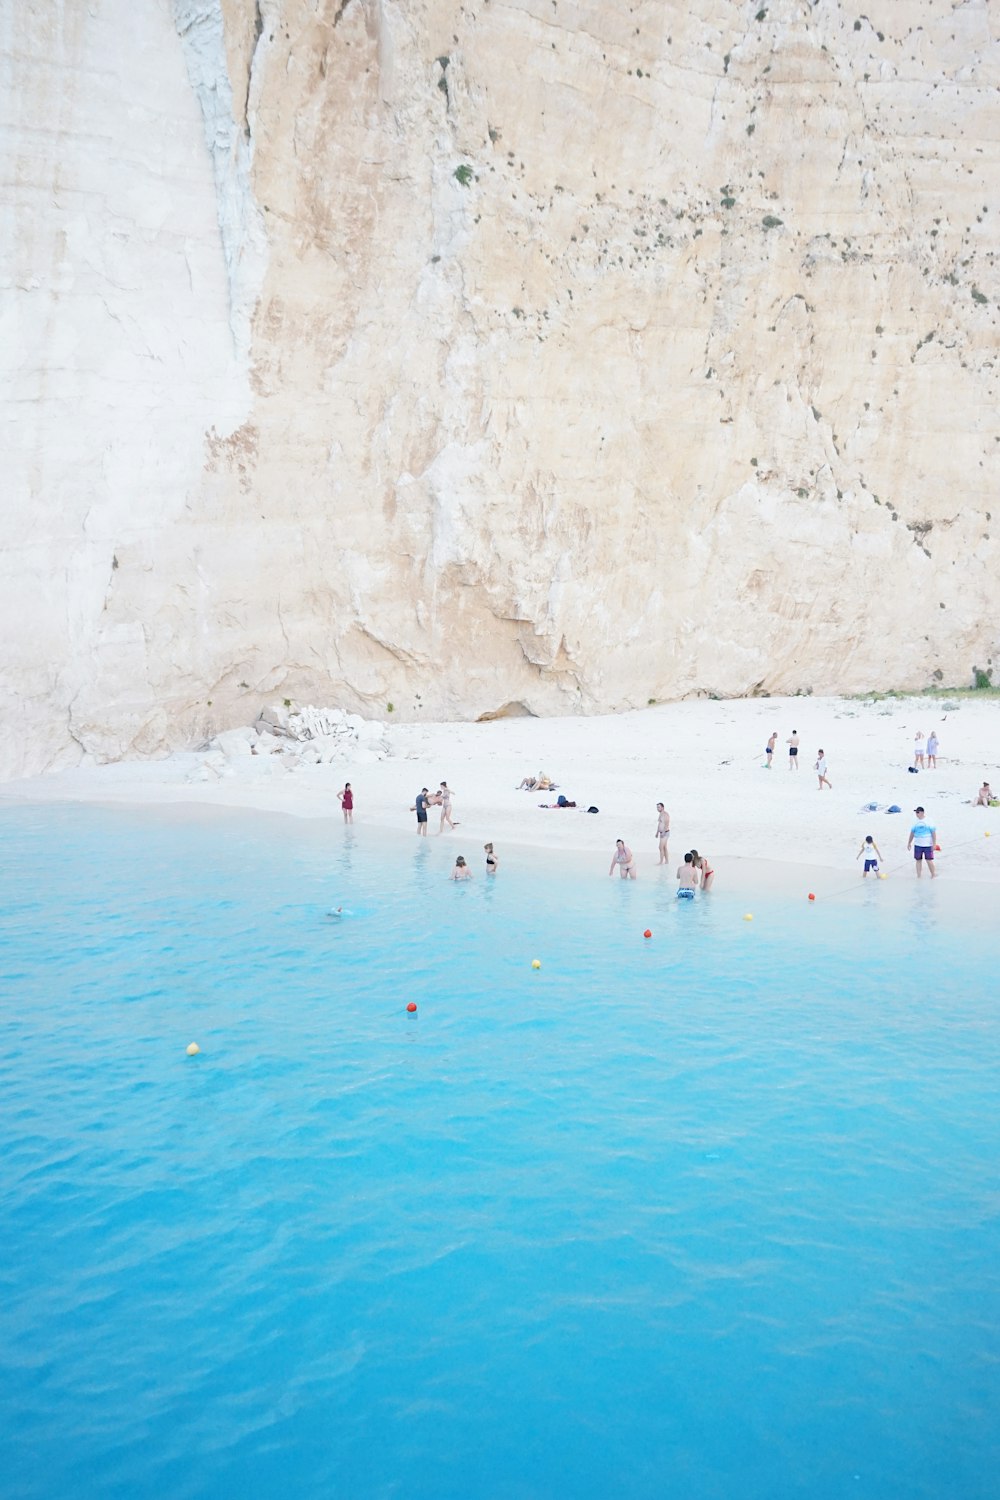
(561,354)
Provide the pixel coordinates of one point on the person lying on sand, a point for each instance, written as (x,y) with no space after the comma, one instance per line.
(539,783)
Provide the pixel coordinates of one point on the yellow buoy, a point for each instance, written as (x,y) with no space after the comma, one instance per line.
(193,1049)
(986,833)
(748,916)
(536,963)
(881,876)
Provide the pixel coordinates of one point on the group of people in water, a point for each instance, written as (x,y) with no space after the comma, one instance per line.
(462,871)
(693,874)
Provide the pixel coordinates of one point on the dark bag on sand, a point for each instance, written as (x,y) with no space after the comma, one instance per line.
(593,809)
(913,770)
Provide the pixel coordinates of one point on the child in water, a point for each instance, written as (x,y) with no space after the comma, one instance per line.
(872,854)
(461,870)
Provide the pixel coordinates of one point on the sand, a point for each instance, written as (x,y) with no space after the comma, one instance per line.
(703,759)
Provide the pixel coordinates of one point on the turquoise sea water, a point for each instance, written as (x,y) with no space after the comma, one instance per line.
(712,1215)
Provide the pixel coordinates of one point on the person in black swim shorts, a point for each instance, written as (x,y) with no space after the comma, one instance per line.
(420,808)
(793,751)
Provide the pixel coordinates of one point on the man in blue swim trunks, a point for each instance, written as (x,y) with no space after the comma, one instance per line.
(686,879)
(923,837)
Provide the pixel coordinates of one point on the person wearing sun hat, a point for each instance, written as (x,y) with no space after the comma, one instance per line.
(923,837)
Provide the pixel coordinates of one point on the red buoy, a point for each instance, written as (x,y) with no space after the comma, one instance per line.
(647,933)
(411,1007)
(812,896)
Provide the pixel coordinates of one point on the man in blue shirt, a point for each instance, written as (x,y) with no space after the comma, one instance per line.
(923,837)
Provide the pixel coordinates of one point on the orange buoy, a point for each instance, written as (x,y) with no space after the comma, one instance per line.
(647,933)
(411,1007)
(812,896)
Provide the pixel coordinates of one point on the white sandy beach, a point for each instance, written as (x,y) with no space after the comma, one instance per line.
(704,759)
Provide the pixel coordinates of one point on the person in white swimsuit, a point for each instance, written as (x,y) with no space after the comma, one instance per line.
(919,750)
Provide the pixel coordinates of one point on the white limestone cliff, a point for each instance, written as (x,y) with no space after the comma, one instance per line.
(542,354)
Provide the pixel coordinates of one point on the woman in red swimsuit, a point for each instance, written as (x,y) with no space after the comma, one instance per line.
(704,869)
(347,802)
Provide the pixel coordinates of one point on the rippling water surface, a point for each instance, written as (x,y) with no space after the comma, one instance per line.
(712,1215)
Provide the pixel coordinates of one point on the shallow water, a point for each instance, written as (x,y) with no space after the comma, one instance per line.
(710,1215)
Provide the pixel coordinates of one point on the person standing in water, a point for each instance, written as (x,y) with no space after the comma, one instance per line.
(624,860)
(492,863)
(821,772)
(872,854)
(686,878)
(703,870)
(461,870)
(444,801)
(346,798)
(662,831)
(420,808)
(793,751)
(769,750)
